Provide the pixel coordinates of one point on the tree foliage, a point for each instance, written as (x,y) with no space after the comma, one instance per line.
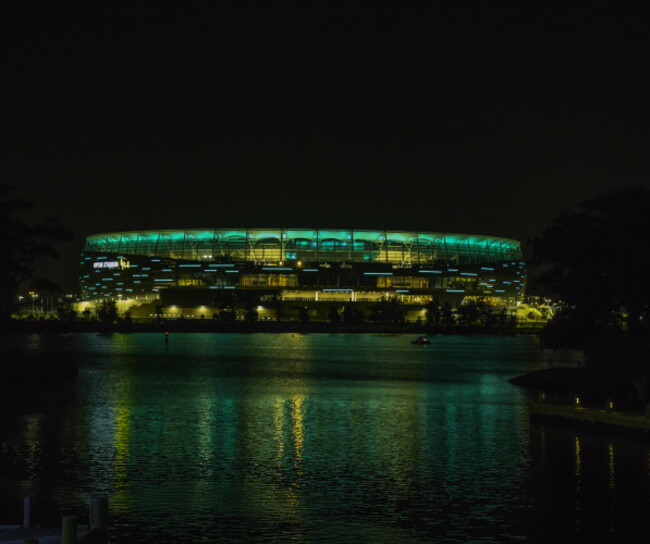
(64,310)
(334,315)
(596,260)
(23,247)
(107,311)
(433,312)
(303,314)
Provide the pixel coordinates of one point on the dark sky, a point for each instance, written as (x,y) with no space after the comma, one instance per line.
(481,117)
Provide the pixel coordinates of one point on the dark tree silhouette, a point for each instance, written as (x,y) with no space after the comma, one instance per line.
(334,315)
(64,310)
(251,314)
(596,260)
(433,312)
(23,247)
(303,314)
(468,314)
(107,311)
(447,318)
(275,303)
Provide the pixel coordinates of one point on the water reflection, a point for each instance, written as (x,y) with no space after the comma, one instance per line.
(319,438)
(612,481)
(608,487)
(120,499)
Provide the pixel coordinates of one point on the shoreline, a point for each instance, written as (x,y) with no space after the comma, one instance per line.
(592,418)
(555,379)
(203,326)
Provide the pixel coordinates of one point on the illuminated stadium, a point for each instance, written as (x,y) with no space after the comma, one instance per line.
(191,273)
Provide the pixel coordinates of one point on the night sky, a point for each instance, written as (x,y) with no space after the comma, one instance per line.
(485,118)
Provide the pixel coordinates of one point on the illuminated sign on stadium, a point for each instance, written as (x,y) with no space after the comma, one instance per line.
(122,263)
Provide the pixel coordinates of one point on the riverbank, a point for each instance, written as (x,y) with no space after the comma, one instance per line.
(200,325)
(594,418)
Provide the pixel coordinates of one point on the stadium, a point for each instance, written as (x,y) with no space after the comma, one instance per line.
(284,273)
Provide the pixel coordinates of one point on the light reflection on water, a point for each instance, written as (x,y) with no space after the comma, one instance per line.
(313,438)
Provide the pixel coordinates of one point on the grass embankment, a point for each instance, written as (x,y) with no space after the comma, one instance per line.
(595,418)
(562,402)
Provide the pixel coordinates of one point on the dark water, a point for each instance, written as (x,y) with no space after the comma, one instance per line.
(312,438)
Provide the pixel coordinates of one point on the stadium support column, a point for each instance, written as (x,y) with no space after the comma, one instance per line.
(282,245)
(386,245)
(351,247)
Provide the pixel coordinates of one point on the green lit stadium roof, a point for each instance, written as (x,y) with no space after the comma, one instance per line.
(309,245)
(116,240)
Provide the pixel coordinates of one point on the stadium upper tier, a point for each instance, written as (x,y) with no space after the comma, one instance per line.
(308,245)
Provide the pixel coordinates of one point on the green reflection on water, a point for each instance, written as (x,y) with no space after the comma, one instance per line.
(121,499)
(253,444)
(304,437)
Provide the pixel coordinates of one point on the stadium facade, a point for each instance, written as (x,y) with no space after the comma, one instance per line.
(195,273)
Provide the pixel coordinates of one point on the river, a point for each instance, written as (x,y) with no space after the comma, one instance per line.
(312,438)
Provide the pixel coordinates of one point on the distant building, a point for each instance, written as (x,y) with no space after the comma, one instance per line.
(198,273)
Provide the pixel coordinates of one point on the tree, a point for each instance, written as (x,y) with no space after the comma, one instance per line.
(303,314)
(107,311)
(23,247)
(468,314)
(334,315)
(250,302)
(485,315)
(65,311)
(275,303)
(128,318)
(387,311)
(251,314)
(491,317)
(433,312)
(596,261)
(447,318)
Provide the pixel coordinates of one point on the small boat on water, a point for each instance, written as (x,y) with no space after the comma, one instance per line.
(422,341)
